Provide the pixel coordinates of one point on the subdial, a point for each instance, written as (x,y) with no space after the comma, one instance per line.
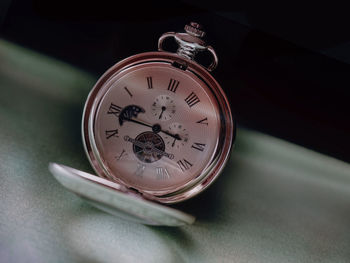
(163,108)
(180,131)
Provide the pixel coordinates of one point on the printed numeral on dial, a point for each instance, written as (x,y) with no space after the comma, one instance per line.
(198,146)
(149,83)
(112,133)
(192,99)
(140,169)
(120,156)
(128,91)
(184,164)
(203,121)
(114,109)
(162,173)
(173,84)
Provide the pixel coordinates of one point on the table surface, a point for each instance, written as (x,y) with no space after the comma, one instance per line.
(274,202)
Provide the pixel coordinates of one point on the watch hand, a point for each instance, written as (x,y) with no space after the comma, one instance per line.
(161,114)
(155,128)
(139,122)
(172,145)
(175,136)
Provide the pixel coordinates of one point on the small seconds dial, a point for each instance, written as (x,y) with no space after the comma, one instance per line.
(163,108)
(181,131)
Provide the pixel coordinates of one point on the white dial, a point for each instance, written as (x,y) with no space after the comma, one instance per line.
(156,128)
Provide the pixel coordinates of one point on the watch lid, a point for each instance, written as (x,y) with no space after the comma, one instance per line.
(111,198)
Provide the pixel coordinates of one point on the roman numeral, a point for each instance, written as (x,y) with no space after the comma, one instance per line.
(114,109)
(184,164)
(162,173)
(123,153)
(204,121)
(112,133)
(198,146)
(140,169)
(149,83)
(173,84)
(128,91)
(192,99)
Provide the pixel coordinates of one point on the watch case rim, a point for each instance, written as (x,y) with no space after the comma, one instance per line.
(207,176)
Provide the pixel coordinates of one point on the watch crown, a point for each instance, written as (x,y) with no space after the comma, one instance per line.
(190,43)
(195,29)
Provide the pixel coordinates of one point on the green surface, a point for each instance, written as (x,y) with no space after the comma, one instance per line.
(275,202)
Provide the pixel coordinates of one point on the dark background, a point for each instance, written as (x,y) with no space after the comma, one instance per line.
(285,67)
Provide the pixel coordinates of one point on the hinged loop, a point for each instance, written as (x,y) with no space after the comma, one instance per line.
(190,43)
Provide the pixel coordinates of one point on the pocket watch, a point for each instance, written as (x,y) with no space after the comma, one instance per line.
(157,129)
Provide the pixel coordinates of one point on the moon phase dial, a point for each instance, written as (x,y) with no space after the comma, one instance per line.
(129,112)
(163,108)
(179,130)
(148,147)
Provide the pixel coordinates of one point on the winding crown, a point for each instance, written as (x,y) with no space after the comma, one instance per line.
(195,29)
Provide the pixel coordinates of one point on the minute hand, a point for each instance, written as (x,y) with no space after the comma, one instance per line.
(175,136)
(156,128)
(138,122)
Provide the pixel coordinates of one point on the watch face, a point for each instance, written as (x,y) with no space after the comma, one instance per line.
(155,128)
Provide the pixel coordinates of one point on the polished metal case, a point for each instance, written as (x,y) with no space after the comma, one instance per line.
(187,66)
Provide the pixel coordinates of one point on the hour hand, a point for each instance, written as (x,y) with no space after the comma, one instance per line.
(157,128)
(175,136)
